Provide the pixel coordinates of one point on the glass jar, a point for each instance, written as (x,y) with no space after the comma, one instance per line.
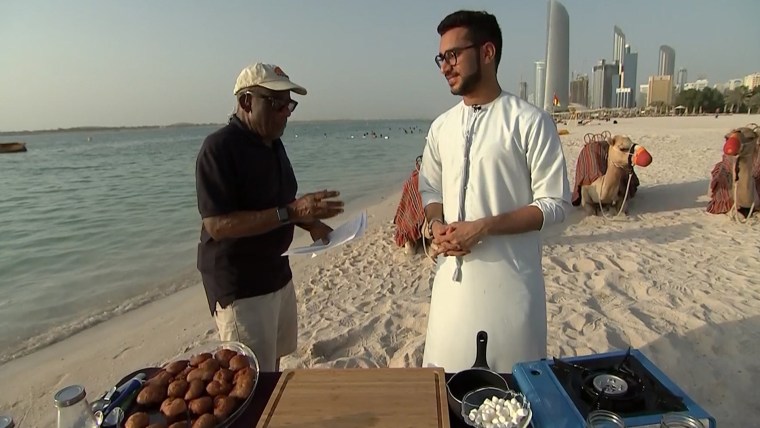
(6,422)
(679,420)
(73,409)
(604,419)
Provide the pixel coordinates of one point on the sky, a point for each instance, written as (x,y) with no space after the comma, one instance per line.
(146,62)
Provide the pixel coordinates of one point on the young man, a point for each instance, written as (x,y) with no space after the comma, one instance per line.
(246,192)
(493,175)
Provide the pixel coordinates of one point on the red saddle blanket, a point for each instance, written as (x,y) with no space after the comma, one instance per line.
(592,164)
(721,184)
(410,214)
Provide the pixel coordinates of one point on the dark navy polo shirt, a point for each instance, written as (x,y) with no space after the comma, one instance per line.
(236,171)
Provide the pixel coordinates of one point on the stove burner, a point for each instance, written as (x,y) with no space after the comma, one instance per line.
(610,384)
(619,385)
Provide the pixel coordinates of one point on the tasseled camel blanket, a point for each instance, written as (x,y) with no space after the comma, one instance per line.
(592,164)
(410,214)
(721,185)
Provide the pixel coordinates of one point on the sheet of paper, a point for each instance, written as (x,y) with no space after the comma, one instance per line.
(348,231)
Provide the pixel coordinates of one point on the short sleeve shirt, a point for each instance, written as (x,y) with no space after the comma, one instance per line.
(236,171)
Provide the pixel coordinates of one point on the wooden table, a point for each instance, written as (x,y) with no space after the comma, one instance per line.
(268,381)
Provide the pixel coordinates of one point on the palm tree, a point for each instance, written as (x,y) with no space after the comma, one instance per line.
(736,98)
(754,101)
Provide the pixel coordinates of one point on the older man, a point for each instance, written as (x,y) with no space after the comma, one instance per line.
(493,175)
(246,191)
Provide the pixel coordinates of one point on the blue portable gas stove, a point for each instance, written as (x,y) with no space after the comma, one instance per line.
(562,392)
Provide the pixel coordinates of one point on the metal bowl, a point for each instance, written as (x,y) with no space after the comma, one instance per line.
(474,399)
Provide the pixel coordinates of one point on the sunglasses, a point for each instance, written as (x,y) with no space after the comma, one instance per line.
(277,104)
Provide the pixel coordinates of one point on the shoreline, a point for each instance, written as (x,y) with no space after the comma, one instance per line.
(162,288)
(670,280)
(95,358)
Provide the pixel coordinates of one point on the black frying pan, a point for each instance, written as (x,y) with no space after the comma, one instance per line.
(479,376)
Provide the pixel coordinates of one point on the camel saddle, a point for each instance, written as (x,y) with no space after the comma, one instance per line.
(721,184)
(410,214)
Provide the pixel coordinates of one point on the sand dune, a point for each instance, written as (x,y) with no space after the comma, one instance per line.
(679,284)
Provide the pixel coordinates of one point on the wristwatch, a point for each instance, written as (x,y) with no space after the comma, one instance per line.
(282,215)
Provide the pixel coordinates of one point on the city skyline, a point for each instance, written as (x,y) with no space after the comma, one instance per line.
(93,63)
(614,84)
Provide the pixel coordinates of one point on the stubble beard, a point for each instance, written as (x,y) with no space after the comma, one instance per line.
(469,83)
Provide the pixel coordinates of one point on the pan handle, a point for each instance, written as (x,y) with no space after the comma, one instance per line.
(480,357)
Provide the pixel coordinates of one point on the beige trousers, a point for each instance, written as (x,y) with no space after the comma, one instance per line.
(267,324)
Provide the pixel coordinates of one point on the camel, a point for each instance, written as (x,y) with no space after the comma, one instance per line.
(735,184)
(604,177)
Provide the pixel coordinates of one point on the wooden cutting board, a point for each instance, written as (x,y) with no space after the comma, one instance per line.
(343,398)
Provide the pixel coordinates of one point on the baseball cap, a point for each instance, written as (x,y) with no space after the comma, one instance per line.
(268,76)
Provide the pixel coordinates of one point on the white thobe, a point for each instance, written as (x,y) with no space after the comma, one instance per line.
(485,161)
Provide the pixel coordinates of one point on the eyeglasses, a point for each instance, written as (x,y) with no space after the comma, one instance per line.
(277,104)
(450,56)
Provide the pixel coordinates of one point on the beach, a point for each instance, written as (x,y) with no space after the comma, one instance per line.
(681,285)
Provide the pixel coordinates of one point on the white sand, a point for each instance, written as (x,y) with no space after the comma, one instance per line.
(679,284)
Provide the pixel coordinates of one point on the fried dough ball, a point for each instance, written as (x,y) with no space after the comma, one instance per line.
(183,374)
(218,388)
(210,364)
(224,356)
(239,362)
(151,395)
(176,367)
(201,405)
(224,375)
(196,360)
(248,373)
(173,407)
(205,421)
(202,374)
(138,420)
(196,389)
(243,388)
(178,389)
(224,406)
(162,378)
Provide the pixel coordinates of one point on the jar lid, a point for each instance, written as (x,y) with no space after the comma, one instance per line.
(6,422)
(70,395)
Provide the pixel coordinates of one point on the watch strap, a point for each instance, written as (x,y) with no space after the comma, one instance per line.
(282,215)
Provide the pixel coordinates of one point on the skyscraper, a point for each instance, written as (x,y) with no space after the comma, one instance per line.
(540,80)
(667,64)
(579,90)
(557,56)
(524,91)
(626,94)
(603,88)
(681,80)
(618,45)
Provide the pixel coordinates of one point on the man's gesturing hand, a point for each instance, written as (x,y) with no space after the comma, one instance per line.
(315,206)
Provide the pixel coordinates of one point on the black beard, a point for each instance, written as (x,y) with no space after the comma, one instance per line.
(469,83)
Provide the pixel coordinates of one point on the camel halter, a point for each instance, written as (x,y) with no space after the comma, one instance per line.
(423,229)
(628,167)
